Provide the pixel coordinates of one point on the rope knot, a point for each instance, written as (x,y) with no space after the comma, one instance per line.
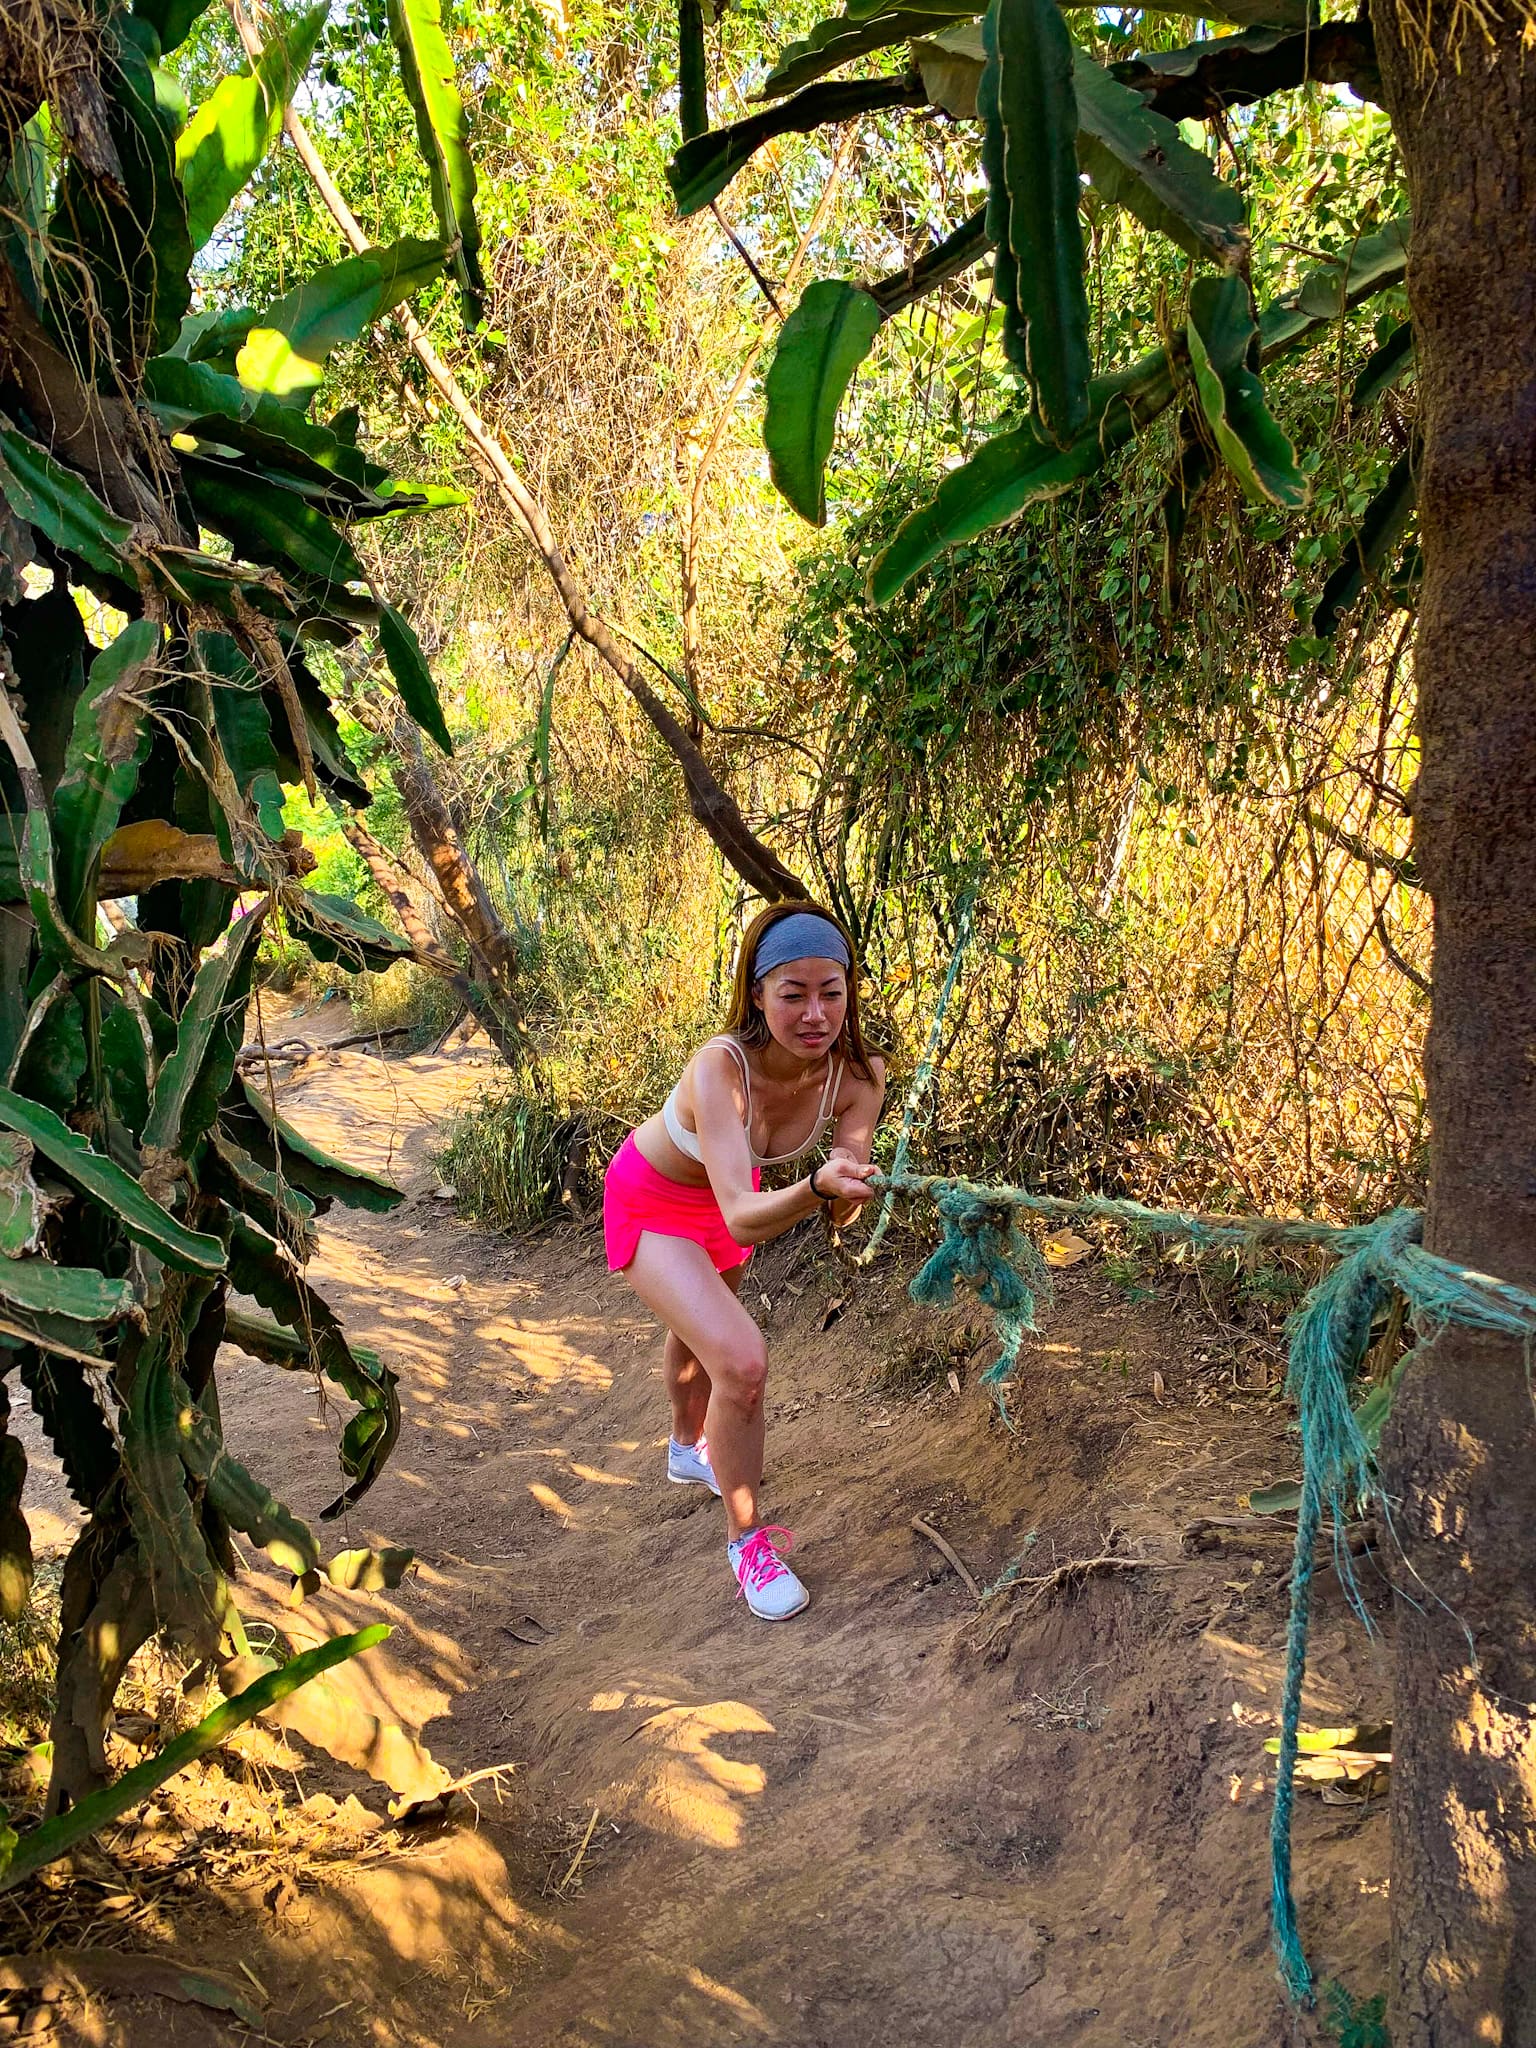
(983,1245)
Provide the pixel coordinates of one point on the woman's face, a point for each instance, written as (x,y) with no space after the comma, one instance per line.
(804,1003)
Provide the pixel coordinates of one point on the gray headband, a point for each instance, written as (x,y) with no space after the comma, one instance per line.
(801,936)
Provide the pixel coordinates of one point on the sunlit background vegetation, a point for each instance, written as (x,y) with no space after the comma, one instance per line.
(1198,970)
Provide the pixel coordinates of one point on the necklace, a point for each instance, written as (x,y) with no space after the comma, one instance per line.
(794,1087)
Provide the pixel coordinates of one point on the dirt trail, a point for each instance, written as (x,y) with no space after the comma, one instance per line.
(868,1826)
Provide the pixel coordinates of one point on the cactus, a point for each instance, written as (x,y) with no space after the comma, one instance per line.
(141,1179)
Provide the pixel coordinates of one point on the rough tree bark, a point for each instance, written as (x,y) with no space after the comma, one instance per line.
(1460,1455)
(488,992)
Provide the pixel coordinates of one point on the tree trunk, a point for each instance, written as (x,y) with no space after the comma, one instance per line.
(488,994)
(389,881)
(1460,1454)
(464,894)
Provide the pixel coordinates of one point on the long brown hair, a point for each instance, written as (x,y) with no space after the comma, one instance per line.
(745,1020)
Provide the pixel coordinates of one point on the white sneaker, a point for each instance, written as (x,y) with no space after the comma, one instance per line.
(688,1465)
(766,1583)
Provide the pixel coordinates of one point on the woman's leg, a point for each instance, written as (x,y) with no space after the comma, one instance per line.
(677,1281)
(688,1384)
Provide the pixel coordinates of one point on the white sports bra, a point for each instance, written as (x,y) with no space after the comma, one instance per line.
(687,1142)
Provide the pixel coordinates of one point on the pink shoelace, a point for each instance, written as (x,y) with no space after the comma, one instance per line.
(757,1562)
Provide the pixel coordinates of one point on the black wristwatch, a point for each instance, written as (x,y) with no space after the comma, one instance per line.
(811,1183)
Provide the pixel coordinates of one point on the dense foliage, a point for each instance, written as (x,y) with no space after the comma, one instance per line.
(1110,741)
(178,528)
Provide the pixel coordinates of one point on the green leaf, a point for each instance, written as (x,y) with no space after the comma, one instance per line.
(230,422)
(230,1172)
(237,124)
(413,678)
(170,19)
(212,336)
(15,1536)
(251,1119)
(122,259)
(336,931)
(55,1060)
(692,70)
(262,1269)
(244,727)
(1283,1498)
(24,1208)
(194,1078)
(1017,468)
(105,1182)
(834,43)
(1368,553)
(1139,160)
(1370,264)
(125,1066)
(1193,468)
(1384,370)
(99,1809)
(106,752)
(703,168)
(820,346)
(59,504)
(1222,333)
(285,352)
(269,524)
(65,1404)
(173,1552)
(242,1500)
(333,764)
(369,1571)
(950,61)
(426,71)
(24,206)
(75,1292)
(1029,115)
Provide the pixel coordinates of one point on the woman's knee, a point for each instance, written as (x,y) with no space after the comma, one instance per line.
(740,1368)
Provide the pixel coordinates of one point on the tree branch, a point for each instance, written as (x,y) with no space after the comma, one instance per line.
(1205,79)
(956,253)
(1400,866)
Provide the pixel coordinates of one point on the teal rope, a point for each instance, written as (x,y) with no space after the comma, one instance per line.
(924,1074)
(1329,1335)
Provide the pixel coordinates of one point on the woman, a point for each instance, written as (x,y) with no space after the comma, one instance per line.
(683,1205)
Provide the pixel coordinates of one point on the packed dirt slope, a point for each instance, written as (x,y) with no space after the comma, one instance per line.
(899,1819)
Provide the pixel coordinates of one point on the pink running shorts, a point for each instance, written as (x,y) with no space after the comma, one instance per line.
(636,1197)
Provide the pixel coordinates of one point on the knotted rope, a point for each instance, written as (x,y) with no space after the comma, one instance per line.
(1329,1335)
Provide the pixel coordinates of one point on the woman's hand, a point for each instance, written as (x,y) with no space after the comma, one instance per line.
(843,1177)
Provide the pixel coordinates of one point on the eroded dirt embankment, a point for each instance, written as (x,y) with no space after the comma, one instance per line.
(892,1823)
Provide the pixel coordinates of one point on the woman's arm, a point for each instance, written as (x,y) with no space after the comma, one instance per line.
(719,1106)
(854,1136)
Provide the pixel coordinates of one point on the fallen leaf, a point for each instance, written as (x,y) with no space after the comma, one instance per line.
(75,1974)
(1158,1388)
(1065,1248)
(954,1383)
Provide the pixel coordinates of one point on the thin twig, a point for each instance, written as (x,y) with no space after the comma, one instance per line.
(565,1881)
(746,256)
(945,1550)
